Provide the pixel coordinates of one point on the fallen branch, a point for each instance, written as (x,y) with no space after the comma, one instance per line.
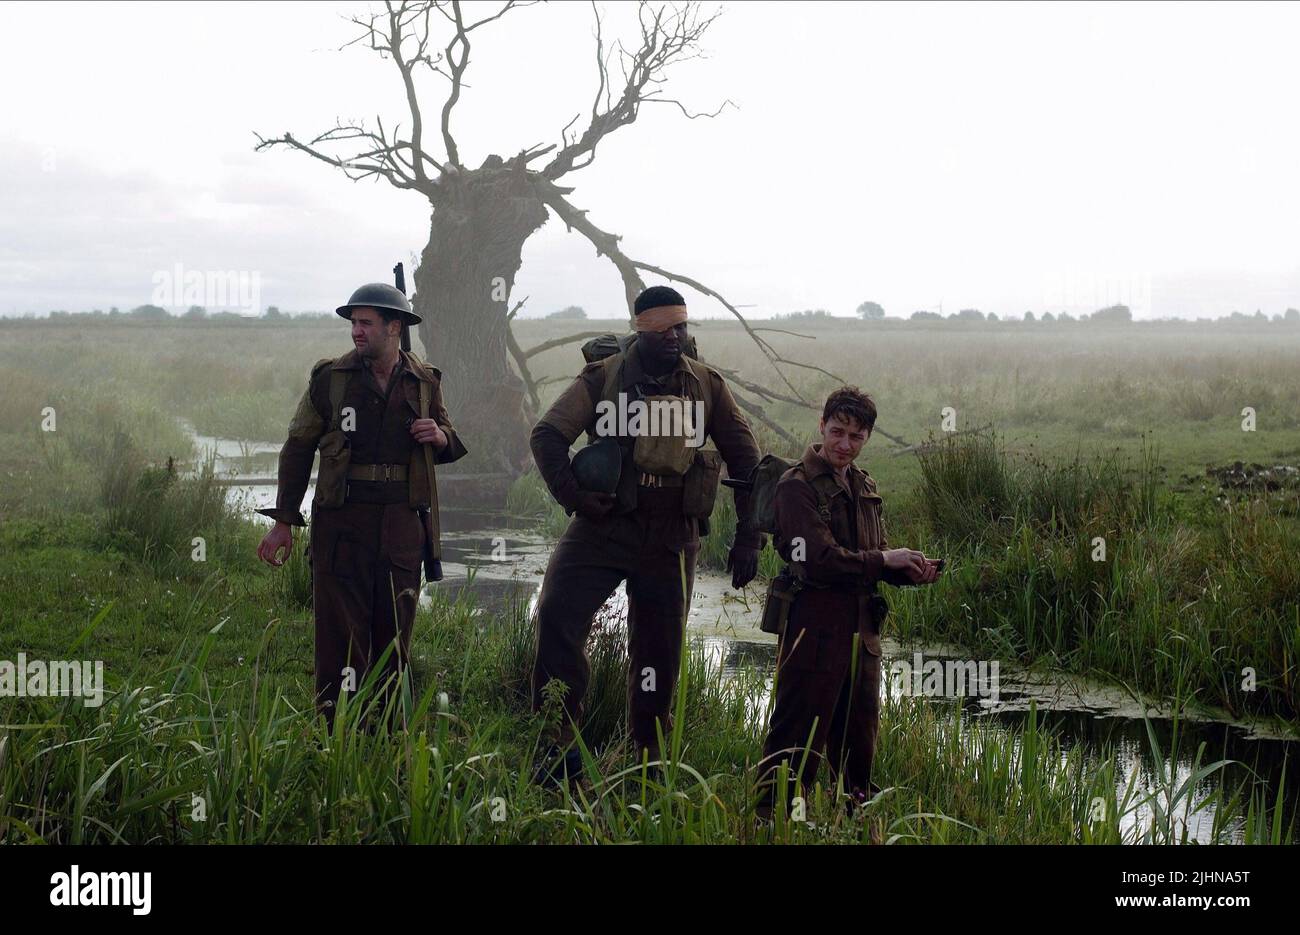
(757,411)
(560,342)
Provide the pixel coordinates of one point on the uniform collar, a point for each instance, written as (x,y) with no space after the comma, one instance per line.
(415,366)
(814,465)
(349,361)
(406,361)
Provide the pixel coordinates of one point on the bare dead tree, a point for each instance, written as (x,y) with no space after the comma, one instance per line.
(482,216)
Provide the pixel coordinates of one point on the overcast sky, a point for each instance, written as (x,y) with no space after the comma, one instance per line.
(1003,157)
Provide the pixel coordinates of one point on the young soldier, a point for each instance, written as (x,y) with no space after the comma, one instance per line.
(830,531)
(646,533)
(363,410)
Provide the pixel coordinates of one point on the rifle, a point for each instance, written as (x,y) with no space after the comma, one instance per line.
(429,516)
(399,280)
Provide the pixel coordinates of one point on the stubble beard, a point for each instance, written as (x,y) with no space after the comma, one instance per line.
(371,351)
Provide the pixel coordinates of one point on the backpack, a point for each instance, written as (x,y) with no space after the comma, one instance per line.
(761,485)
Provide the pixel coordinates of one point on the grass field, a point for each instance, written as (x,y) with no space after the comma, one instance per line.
(1096,430)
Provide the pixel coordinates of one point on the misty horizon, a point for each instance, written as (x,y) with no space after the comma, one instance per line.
(1004,158)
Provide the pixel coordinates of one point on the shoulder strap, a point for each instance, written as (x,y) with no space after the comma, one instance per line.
(338,384)
(797,572)
(613,367)
(705,383)
(433,559)
(823,501)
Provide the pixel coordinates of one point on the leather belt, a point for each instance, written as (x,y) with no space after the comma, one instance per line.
(379,473)
(854,589)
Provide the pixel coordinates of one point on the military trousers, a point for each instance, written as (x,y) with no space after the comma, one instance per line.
(649,548)
(827,698)
(366,561)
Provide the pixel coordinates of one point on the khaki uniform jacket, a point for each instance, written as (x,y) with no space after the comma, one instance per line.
(843,557)
(312,419)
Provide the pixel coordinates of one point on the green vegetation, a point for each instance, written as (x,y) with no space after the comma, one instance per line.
(1092,566)
(209,663)
(209,673)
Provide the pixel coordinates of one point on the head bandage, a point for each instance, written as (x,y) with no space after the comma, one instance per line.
(660,318)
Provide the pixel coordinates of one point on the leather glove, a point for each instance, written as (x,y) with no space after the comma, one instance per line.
(742,562)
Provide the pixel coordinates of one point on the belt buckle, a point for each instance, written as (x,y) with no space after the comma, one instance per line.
(387,471)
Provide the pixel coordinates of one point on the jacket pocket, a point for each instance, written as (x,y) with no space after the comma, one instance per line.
(869,505)
(781,592)
(700,485)
(332,478)
(661,446)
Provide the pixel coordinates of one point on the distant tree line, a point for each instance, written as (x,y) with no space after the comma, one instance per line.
(867,311)
(816,313)
(157,313)
(1111,315)
(572,312)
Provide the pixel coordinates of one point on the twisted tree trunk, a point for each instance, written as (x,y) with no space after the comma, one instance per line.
(482,217)
(463,285)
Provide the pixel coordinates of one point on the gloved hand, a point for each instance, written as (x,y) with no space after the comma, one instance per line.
(742,562)
(594,505)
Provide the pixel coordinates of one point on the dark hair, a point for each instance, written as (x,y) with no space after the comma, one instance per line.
(850,403)
(656,296)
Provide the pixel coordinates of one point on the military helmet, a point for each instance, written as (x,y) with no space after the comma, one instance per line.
(599,465)
(380,295)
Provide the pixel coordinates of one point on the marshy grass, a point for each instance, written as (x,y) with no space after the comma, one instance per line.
(182,739)
(1092,567)
(168,521)
(530,500)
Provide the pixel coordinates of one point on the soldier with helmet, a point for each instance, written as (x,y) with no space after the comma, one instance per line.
(377,418)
